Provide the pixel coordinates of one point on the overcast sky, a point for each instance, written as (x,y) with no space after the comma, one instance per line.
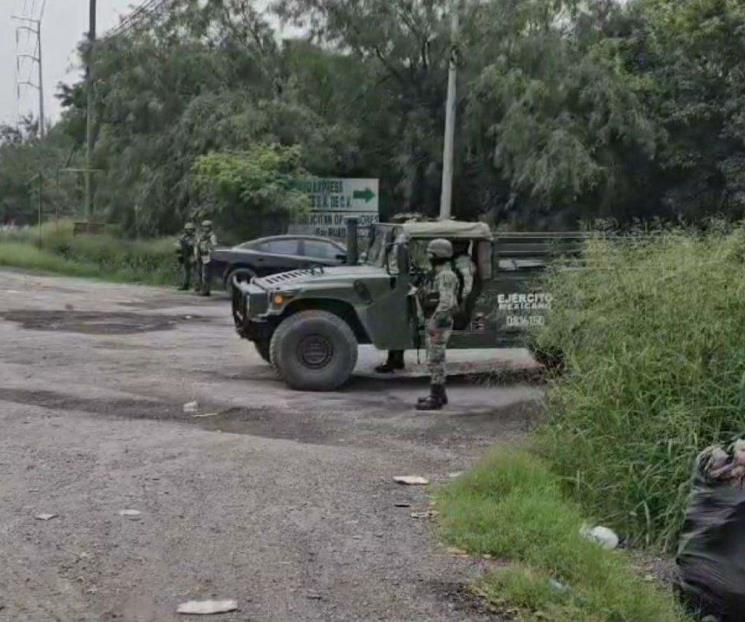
(65,23)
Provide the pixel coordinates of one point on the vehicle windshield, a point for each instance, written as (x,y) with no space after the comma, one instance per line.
(380,238)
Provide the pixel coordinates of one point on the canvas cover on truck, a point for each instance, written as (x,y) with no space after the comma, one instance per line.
(448,229)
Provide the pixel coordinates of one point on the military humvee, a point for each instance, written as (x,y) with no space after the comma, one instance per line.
(308,323)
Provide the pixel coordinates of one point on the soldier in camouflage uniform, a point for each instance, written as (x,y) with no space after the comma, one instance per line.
(185,253)
(206,244)
(439,299)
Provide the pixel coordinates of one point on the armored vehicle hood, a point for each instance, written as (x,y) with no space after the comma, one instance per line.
(319,276)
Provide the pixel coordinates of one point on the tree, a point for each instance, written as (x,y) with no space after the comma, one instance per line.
(243,191)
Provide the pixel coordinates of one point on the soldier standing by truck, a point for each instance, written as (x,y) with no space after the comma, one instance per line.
(439,299)
(465,271)
(206,244)
(185,253)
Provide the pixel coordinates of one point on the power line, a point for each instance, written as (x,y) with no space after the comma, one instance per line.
(32,27)
(139,15)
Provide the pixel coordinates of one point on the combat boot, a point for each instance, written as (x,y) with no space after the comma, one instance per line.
(394,362)
(435,401)
(442,393)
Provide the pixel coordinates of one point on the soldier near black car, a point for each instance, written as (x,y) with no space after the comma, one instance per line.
(206,244)
(185,254)
(438,298)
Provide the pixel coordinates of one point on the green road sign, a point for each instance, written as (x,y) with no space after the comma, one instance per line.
(365,195)
(332,201)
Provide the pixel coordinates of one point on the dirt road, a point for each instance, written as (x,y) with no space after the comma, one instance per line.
(281,500)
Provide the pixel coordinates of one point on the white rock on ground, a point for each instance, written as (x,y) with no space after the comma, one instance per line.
(207,607)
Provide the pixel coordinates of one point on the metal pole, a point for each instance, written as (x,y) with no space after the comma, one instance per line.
(89,113)
(36,59)
(352,241)
(41,190)
(446,198)
(57,201)
(42,122)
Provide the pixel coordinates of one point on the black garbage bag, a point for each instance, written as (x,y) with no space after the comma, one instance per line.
(711,555)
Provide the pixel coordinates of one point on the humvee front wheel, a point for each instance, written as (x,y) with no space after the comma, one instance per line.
(314,351)
(262,347)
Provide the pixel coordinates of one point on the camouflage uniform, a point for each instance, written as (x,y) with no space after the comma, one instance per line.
(185,252)
(440,297)
(440,325)
(206,244)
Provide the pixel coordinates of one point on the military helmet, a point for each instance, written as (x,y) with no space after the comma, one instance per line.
(189,226)
(440,249)
(207,224)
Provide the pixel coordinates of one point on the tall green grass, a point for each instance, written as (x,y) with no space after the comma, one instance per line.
(512,508)
(653,333)
(104,256)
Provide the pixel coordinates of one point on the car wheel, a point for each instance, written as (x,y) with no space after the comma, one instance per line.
(242,275)
(262,347)
(314,351)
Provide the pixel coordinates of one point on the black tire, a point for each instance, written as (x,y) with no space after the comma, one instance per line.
(262,347)
(314,351)
(244,275)
(553,361)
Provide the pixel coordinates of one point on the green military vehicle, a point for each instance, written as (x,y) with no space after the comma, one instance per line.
(309,323)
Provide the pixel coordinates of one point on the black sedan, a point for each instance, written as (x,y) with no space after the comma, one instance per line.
(273,255)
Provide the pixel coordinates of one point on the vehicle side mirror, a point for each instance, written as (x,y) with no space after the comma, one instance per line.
(341,257)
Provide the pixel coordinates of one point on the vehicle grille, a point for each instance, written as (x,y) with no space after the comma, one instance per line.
(284,277)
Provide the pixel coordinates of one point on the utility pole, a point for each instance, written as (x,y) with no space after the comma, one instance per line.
(34,27)
(89,112)
(446,198)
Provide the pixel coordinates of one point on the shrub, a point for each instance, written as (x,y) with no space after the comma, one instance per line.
(104,255)
(653,334)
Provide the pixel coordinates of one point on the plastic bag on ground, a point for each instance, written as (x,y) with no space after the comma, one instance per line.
(711,555)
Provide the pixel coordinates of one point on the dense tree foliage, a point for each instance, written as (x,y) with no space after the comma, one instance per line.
(242,189)
(568,111)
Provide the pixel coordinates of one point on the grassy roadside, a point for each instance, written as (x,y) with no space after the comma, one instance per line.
(512,508)
(652,332)
(105,257)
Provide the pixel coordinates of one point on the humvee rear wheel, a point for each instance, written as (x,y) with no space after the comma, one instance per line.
(553,361)
(314,351)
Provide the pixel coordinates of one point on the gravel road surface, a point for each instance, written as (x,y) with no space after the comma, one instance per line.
(283,501)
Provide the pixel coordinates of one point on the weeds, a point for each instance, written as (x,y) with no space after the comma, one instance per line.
(512,508)
(653,335)
(102,256)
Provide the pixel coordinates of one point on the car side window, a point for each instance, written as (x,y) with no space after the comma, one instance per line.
(321,250)
(279,247)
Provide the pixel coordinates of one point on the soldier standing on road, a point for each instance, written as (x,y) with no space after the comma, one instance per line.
(185,252)
(197,260)
(439,299)
(465,270)
(206,245)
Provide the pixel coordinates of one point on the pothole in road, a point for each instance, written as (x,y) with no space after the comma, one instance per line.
(263,422)
(326,425)
(93,322)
